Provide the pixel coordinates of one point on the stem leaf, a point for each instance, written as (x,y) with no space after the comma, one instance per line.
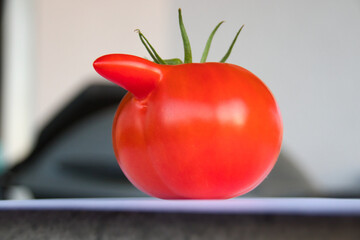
(173,61)
(154,55)
(231,46)
(208,43)
(187,47)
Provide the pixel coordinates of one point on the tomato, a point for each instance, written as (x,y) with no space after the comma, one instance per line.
(198,130)
(195,130)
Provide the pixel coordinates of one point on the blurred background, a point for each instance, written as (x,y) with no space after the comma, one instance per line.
(56,112)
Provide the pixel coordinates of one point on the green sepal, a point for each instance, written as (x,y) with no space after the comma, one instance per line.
(187,48)
(173,61)
(227,54)
(208,43)
(186,42)
(154,55)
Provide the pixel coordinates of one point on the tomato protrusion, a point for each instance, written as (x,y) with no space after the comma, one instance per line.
(137,75)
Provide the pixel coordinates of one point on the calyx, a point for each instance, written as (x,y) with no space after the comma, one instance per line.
(187,48)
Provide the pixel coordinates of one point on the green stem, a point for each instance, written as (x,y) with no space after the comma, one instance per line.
(147,48)
(173,61)
(187,47)
(154,55)
(208,43)
(231,46)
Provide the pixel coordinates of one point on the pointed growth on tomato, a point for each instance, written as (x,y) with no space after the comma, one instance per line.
(135,74)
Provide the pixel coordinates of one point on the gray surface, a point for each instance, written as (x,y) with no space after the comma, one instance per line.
(258,206)
(73,225)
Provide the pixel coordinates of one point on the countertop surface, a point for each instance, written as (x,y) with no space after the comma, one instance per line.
(292,206)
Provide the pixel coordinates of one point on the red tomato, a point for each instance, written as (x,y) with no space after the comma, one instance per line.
(192,131)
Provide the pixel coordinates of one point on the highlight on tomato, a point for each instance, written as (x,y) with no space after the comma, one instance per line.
(184,130)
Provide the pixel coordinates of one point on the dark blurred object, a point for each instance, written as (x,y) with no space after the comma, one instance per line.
(74,157)
(285,180)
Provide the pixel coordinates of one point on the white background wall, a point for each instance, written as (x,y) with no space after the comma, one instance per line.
(307,52)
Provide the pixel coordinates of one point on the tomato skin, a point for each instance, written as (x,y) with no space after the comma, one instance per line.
(205,131)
